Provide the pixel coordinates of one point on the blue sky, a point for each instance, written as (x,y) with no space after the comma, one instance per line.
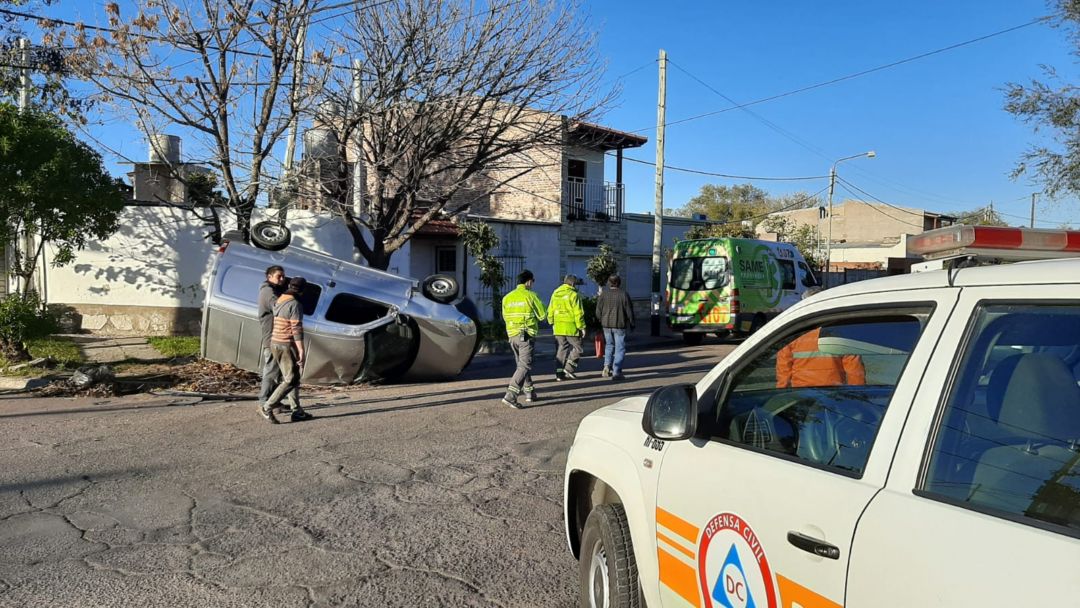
(942,139)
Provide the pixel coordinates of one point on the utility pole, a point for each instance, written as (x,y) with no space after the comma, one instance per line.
(1033,196)
(828,243)
(298,74)
(358,185)
(24,74)
(658,218)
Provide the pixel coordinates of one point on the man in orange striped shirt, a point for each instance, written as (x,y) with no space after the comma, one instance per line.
(287,349)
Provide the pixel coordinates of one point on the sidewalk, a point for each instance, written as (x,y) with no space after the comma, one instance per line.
(105,349)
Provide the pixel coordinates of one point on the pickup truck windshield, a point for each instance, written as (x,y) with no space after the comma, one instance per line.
(699,273)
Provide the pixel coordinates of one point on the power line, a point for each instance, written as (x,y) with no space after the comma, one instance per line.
(874,207)
(856,74)
(726,175)
(865,193)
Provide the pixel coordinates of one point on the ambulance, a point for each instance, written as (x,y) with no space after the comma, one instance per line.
(732,286)
(905,441)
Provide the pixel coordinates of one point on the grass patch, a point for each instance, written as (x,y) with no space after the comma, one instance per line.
(64,354)
(176,346)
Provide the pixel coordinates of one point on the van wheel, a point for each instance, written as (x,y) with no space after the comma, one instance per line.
(441,288)
(692,338)
(607,572)
(758,322)
(271,236)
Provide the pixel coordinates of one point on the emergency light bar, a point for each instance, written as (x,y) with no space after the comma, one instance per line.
(991,241)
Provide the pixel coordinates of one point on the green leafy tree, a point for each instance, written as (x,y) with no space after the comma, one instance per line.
(981,217)
(733,207)
(602,265)
(803,236)
(53,189)
(479,238)
(1053,108)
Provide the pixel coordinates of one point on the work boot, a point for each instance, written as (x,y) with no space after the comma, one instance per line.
(512,402)
(559,376)
(268,414)
(569,373)
(300,416)
(530,397)
(606,373)
(617,376)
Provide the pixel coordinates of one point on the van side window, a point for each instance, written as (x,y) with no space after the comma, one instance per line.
(242,283)
(348,309)
(310,298)
(818,395)
(1008,440)
(808,278)
(787,274)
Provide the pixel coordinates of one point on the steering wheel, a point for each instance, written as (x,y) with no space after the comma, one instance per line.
(817,440)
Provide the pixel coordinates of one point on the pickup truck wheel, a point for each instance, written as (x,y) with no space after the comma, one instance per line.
(607,570)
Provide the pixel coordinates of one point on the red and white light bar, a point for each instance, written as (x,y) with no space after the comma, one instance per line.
(1005,243)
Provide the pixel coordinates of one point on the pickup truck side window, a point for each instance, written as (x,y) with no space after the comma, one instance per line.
(1008,439)
(818,395)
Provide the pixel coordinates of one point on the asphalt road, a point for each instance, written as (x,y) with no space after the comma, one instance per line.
(408,495)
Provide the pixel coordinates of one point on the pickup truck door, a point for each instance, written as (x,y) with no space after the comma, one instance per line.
(979,510)
(760,508)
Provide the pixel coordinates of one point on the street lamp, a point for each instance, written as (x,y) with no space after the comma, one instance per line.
(832,185)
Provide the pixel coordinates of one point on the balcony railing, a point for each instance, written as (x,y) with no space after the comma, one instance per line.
(595,202)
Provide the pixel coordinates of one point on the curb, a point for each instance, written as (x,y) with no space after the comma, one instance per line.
(16,383)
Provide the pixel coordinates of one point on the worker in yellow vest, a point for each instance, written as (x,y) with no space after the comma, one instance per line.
(522,311)
(567,318)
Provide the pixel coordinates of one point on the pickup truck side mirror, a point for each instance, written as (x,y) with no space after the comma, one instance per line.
(671,413)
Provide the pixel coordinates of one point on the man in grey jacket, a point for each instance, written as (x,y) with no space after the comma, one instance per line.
(616,316)
(272,287)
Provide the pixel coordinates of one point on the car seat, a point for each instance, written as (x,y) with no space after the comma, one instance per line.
(1035,402)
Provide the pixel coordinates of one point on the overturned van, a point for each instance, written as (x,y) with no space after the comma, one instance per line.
(360,324)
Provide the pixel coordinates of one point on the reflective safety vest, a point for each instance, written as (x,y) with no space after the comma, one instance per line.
(522,311)
(801,363)
(565,313)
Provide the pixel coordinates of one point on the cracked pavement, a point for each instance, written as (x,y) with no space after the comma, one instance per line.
(393,496)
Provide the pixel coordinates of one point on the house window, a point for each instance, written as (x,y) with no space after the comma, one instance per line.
(445,260)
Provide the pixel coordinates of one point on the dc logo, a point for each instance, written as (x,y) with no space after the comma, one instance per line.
(731,589)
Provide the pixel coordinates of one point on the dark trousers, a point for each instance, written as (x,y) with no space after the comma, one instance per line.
(522,347)
(569,353)
(271,375)
(289,387)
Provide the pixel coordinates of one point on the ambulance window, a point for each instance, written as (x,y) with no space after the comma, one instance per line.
(1008,441)
(714,272)
(808,278)
(787,274)
(818,395)
(682,273)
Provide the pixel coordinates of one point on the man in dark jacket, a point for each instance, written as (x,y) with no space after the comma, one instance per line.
(272,287)
(616,316)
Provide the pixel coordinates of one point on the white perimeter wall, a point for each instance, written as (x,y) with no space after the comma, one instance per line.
(160,257)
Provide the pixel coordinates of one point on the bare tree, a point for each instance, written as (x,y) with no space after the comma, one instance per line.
(218,71)
(450,101)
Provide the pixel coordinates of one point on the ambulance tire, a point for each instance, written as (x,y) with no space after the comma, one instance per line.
(607,570)
(758,322)
(692,338)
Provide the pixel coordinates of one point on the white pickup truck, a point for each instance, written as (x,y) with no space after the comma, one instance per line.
(907,441)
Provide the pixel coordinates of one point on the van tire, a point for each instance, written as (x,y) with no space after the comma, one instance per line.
(692,338)
(758,322)
(607,569)
(271,236)
(441,288)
